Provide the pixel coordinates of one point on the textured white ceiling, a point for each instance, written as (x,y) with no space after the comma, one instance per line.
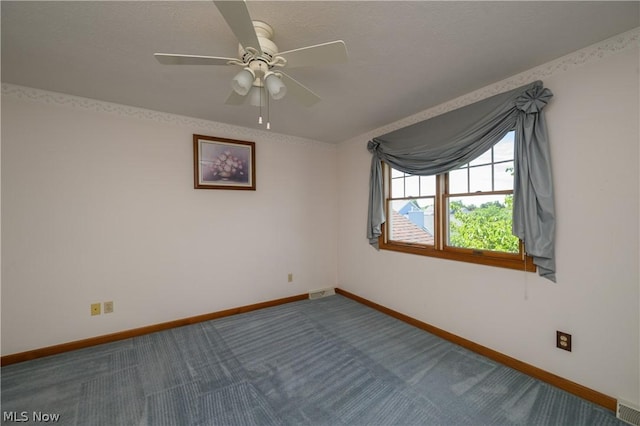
(404,57)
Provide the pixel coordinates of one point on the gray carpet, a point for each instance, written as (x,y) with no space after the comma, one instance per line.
(329,361)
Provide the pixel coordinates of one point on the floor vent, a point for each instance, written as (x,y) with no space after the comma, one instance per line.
(317,294)
(628,413)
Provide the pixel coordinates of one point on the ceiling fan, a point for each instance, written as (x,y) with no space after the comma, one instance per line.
(260,60)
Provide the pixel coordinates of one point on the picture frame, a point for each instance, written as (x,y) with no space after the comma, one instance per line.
(221,163)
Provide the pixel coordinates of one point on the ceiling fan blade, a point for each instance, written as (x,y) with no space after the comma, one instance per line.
(235,99)
(236,14)
(171,59)
(333,52)
(296,89)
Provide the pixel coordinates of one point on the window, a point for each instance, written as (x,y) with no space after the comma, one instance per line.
(465,214)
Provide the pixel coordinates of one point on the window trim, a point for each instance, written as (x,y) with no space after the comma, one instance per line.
(440,250)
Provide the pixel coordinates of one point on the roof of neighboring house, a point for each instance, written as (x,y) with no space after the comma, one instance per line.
(406,231)
(409,207)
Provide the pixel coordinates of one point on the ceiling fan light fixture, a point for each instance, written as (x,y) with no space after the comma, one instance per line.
(257,96)
(243,81)
(275,86)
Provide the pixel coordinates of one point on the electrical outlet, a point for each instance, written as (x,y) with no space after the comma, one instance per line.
(95,309)
(563,340)
(108,307)
(290,277)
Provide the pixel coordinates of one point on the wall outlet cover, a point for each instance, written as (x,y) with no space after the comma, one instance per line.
(563,340)
(95,309)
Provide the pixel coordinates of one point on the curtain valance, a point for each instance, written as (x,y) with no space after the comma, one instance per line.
(448,141)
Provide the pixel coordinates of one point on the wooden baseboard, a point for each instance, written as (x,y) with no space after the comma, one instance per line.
(557,381)
(121,335)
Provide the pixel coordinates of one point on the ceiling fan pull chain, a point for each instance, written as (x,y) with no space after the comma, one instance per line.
(260,95)
(268,114)
(260,105)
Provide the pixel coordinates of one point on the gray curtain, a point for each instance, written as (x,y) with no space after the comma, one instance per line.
(448,141)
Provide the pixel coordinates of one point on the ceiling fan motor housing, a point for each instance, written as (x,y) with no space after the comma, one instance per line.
(264,32)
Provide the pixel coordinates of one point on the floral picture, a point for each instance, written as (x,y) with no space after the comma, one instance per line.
(223,163)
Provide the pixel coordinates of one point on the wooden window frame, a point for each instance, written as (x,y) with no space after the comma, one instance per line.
(519,261)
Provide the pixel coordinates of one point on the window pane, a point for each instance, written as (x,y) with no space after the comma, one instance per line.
(483,159)
(503,176)
(411,221)
(458,181)
(396,173)
(503,150)
(412,186)
(397,188)
(481,223)
(480,179)
(427,185)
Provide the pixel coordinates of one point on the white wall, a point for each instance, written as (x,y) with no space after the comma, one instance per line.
(593,131)
(98,204)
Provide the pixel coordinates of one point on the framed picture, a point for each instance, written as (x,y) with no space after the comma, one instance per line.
(224,163)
